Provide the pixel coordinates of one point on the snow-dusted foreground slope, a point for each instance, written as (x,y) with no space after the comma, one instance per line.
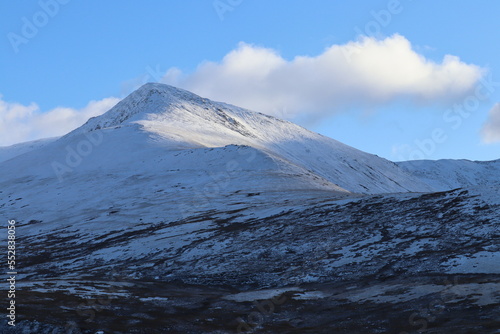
(278,263)
(173,213)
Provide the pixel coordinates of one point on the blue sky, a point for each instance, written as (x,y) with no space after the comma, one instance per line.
(394,93)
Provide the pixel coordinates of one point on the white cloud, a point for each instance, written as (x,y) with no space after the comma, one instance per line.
(368,72)
(491,129)
(19,123)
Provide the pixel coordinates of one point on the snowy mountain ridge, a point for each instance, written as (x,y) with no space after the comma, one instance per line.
(177,119)
(12,151)
(449,174)
(182,120)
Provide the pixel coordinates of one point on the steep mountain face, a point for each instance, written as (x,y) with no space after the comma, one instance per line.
(179,120)
(174,213)
(451,174)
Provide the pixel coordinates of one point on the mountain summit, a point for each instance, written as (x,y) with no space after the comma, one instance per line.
(178,119)
(151,98)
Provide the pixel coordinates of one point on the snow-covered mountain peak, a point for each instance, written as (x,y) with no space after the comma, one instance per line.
(151,98)
(151,91)
(160,120)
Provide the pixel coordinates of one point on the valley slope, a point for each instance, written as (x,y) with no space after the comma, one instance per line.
(174,213)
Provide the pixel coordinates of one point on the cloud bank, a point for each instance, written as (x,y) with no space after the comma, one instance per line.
(20,123)
(491,129)
(368,72)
